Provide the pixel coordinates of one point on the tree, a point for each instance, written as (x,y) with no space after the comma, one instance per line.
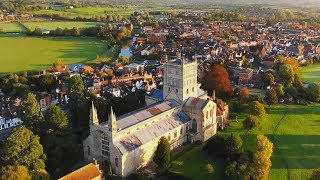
(76,85)
(218,79)
(162,156)
(57,64)
(244,95)
(261,162)
(22,147)
(257,109)
(280,90)
(216,146)
(271,97)
(31,113)
(14,173)
(315,174)
(76,31)
(293,63)
(268,78)
(124,59)
(209,168)
(40,174)
(263,53)
(233,144)
(55,118)
(251,122)
(286,74)
(313,92)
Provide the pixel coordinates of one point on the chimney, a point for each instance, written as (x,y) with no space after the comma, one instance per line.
(214,95)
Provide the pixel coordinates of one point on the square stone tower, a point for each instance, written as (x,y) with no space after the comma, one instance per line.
(180,77)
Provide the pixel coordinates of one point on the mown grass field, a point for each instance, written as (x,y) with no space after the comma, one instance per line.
(12,27)
(21,53)
(88,12)
(311,73)
(62,24)
(296,141)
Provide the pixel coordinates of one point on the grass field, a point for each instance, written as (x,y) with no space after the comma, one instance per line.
(12,27)
(20,53)
(296,141)
(311,73)
(63,24)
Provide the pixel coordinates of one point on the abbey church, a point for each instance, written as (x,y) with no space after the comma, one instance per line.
(184,113)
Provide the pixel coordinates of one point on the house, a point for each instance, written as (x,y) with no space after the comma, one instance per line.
(76,67)
(89,172)
(44,100)
(133,67)
(147,51)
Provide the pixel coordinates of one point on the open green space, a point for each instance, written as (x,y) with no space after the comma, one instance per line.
(62,24)
(21,53)
(12,27)
(311,73)
(294,131)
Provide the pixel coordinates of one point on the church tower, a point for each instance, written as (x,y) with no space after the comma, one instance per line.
(180,77)
(112,123)
(93,115)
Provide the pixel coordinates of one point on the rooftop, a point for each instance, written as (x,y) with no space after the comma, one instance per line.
(142,114)
(87,172)
(151,132)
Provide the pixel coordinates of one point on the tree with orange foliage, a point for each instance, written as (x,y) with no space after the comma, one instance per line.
(218,79)
(293,62)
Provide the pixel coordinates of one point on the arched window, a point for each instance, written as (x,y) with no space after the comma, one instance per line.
(192,89)
(176,90)
(168,88)
(187,91)
(116,161)
(89,153)
(207,114)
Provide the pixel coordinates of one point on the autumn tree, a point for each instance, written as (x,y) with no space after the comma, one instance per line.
(162,156)
(76,31)
(31,116)
(286,74)
(280,90)
(315,175)
(256,109)
(218,79)
(251,122)
(263,53)
(14,173)
(271,97)
(261,163)
(244,95)
(268,78)
(40,174)
(22,147)
(293,63)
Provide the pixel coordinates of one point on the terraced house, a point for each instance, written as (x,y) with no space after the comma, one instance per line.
(184,113)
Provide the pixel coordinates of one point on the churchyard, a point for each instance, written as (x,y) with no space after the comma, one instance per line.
(294,132)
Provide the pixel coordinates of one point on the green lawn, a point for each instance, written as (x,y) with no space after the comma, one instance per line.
(63,24)
(12,27)
(311,73)
(20,53)
(296,142)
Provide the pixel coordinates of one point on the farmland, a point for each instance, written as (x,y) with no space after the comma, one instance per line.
(294,131)
(62,24)
(12,27)
(311,73)
(21,53)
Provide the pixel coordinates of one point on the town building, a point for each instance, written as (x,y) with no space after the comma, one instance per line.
(183,114)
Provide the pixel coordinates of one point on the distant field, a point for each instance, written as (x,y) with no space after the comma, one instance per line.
(54,25)
(311,73)
(12,27)
(20,53)
(89,11)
